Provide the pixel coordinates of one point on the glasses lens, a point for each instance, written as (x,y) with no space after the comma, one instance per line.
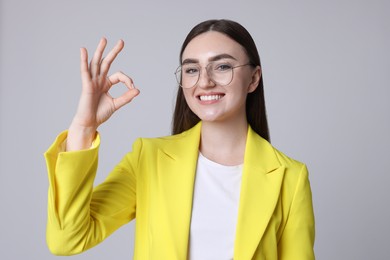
(188,75)
(220,73)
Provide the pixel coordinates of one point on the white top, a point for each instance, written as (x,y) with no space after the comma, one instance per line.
(214,210)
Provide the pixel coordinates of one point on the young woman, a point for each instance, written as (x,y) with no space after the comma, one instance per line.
(216,189)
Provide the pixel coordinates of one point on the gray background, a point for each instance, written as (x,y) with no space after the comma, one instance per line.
(326,72)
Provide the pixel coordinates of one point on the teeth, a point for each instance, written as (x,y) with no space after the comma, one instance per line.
(211,97)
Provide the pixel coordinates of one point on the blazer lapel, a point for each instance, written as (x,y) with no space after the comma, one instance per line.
(260,186)
(175,184)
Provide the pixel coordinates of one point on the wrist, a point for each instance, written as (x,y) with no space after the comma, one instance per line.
(80,137)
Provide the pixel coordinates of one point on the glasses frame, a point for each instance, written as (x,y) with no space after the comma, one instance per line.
(179,70)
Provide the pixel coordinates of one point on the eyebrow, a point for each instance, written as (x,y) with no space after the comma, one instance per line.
(214,58)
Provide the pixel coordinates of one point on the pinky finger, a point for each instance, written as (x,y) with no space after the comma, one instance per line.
(85,75)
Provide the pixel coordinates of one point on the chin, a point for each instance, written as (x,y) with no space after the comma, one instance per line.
(210,117)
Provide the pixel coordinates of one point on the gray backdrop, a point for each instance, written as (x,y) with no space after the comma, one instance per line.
(326,72)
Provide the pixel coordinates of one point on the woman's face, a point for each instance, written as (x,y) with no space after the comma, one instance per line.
(209,100)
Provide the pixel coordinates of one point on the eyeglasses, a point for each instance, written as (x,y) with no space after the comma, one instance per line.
(221,73)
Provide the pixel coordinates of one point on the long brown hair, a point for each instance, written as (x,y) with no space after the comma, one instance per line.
(184,118)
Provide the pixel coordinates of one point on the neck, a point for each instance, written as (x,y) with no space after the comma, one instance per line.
(224,142)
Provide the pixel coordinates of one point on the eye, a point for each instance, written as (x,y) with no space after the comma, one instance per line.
(190,70)
(221,67)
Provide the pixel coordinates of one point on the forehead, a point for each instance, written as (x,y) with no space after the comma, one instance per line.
(211,44)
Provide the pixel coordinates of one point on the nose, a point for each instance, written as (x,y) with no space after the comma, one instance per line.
(205,80)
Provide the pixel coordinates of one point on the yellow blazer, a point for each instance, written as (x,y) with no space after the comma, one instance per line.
(154,183)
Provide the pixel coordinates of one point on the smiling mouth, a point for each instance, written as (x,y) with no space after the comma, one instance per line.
(210,97)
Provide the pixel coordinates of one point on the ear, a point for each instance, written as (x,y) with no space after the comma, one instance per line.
(256,76)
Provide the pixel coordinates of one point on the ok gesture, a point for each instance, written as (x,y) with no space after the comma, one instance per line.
(96,105)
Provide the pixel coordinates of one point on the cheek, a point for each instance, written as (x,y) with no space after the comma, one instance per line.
(186,92)
(241,87)
(241,81)
(187,95)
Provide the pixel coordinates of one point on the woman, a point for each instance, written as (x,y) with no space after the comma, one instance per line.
(216,189)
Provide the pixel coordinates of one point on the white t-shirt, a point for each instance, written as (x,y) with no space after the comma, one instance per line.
(214,210)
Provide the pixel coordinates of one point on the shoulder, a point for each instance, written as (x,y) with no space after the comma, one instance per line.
(296,175)
(146,151)
(263,152)
(287,161)
(178,142)
(162,141)
(263,155)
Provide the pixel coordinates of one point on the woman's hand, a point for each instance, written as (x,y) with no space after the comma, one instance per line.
(96,105)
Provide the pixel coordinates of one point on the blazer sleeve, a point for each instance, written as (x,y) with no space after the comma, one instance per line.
(80,216)
(297,240)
